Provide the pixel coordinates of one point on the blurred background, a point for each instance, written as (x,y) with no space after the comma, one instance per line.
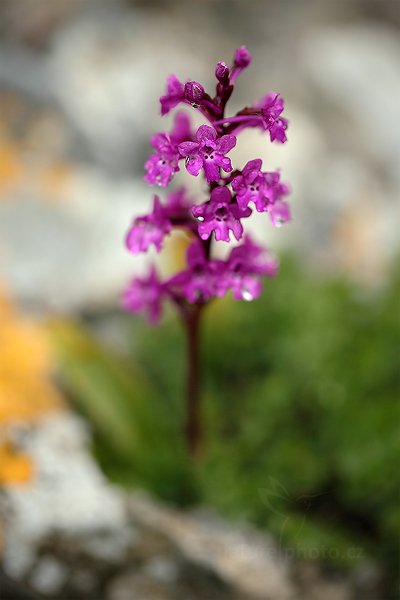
(296,495)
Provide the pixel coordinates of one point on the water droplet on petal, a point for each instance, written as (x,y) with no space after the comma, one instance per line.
(200,218)
(247,296)
(279,222)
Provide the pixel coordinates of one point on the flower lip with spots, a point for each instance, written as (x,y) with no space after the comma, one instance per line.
(262,188)
(208,153)
(220,215)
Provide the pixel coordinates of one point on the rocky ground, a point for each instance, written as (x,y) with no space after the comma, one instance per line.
(69,535)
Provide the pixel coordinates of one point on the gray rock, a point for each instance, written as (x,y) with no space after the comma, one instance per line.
(248,561)
(68,255)
(69,534)
(49,576)
(356,67)
(110,55)
(68,496)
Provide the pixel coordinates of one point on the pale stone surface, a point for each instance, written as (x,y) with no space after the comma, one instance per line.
(71,254)
(110,55)
(69,532)
(247,560)
(357,68)
(67,495)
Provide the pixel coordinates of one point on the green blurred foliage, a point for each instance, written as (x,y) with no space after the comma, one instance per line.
(300,408)
(135,439)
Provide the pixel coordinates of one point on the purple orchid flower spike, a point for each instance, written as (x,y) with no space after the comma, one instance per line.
(149,229)
(220,215)
(145,293)
(222,212)
(175,94)
(208,153)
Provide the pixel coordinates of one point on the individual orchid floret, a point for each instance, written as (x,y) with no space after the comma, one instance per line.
(262,188)
(279,213)
(145,294)
(175,94)
(220,215)
(250,184)
(265,115)
(208,153)
(242,57)
(197,97)
(194,92)
(222,73)
(252,258)
(149,229)
(246,263)
(164,163)
(241,60)
(197,283)
(275,188)
(272,106)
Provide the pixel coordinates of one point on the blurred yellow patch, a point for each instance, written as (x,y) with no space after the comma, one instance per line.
(26,392)
(54,179)
(25,363)
(14,468)
(174,252)
(11,168)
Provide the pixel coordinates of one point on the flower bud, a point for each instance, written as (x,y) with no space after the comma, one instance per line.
(222,72)
(242,57)
(194,92)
